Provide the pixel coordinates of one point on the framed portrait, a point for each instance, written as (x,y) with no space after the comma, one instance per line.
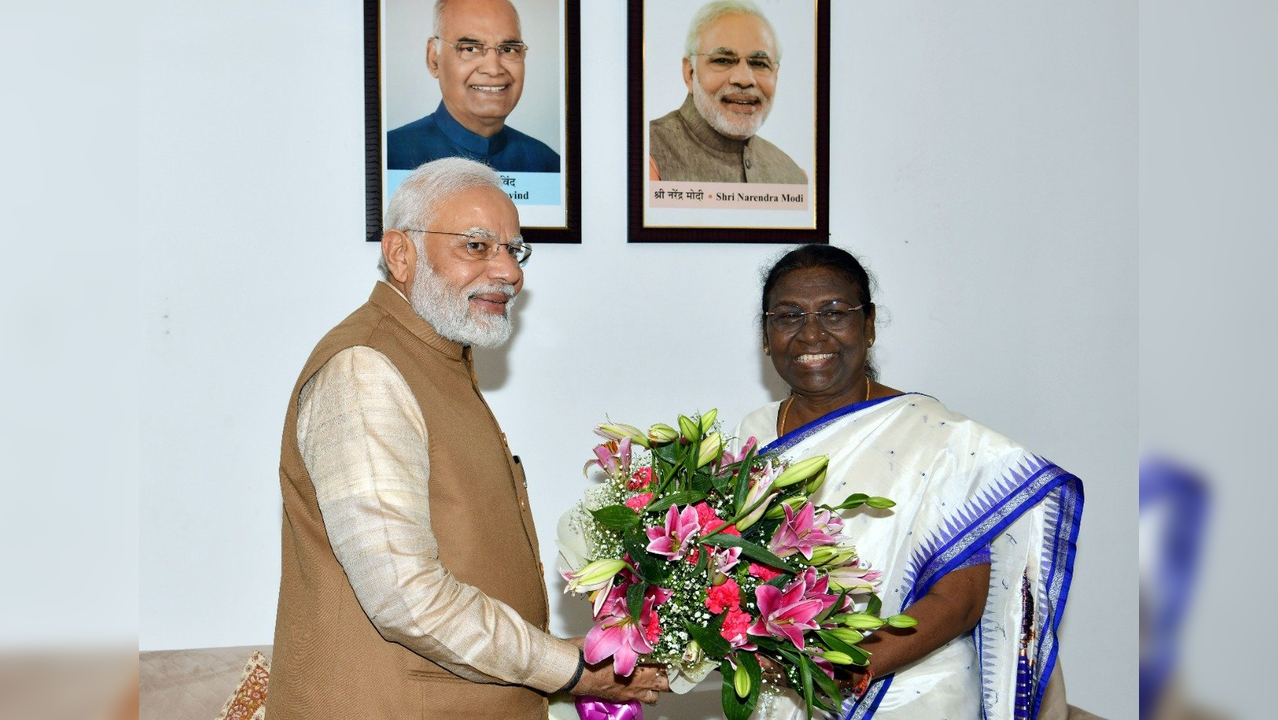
(493,83)
(729,121)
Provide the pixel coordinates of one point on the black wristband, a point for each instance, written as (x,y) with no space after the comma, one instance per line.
(576,677)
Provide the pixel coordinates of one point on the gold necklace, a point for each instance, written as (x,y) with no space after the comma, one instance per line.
(785,409)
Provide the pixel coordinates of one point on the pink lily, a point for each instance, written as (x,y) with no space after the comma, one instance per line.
(804,531)
(817,587)
(724,559)
(675,539)
(729,457)
(613,457)
(619,637)
(785,613)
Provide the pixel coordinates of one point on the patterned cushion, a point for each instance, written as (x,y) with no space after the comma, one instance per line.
(248,702)
(190,684)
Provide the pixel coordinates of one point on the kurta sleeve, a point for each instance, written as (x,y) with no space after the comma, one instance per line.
(364,443)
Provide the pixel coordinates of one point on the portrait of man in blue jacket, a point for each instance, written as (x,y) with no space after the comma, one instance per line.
(477,53)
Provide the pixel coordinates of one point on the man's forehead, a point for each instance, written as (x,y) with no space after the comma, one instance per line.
(475,18)
(742,34)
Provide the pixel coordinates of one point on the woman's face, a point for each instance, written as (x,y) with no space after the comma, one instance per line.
(817,362)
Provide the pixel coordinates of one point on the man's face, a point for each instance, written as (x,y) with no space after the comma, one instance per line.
(479,92)
(468,300)
(734,75)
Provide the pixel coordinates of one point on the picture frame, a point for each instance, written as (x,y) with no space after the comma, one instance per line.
(697,199)
(403,96)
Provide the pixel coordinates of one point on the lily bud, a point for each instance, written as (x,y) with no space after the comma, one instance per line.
(902,621)
(692,653)
(661,433)
(761,489)
(816,482)
(776,512)
(617,431)
(802,470)
(710,447)
(859,621)
(847,635)
(691,431)
(594,576)
(836,657)
(741,680)
(831,555)
(707,420)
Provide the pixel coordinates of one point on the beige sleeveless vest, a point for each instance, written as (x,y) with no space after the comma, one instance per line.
(329,660)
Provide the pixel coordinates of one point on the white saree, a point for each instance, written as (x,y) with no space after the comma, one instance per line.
(959,487)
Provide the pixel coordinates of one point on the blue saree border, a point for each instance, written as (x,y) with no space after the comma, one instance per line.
(1030,482)
(799,434)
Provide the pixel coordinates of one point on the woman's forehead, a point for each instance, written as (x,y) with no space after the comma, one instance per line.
(814,283)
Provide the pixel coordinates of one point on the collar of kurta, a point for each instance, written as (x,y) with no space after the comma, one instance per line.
(706,134)
(465,139)
(392,301)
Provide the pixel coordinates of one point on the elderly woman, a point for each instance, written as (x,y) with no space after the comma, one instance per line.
(980,546)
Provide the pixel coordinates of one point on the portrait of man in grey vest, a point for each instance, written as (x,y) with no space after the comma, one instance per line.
(731,66)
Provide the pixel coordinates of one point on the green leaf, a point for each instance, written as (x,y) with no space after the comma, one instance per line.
(722,483)
(779,581)
(833,642)
(711,642)
(750,550)
(683,497)
(829,689)
(634,599)
(875,604)
(805,680)
(703,483)
(617,517)
(736,707)
(880,503)
(860,656)
(743,482)
(652,569)
(852,501)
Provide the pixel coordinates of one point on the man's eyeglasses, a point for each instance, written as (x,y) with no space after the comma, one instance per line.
(482,246)
(759,64)
(471,51)
(791,320)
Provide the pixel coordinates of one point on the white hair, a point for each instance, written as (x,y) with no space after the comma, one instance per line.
(439,18)
(417,199)
(711,12)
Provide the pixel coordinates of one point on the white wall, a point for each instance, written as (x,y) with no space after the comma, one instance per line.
(984,163)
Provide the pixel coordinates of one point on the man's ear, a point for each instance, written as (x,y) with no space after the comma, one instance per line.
(432,58)
(400,255)
(687,73)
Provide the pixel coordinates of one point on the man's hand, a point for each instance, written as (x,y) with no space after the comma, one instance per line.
(644,684)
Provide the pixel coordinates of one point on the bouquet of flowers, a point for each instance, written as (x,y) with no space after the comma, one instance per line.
(700,559)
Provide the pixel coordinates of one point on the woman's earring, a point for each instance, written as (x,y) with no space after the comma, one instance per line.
(767,350)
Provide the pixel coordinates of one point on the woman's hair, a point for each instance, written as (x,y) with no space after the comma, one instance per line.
(819,256)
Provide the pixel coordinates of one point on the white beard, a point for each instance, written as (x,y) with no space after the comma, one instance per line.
(739,127)
(449,312)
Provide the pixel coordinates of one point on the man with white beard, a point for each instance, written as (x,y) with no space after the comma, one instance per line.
(731,62)
(411,582)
